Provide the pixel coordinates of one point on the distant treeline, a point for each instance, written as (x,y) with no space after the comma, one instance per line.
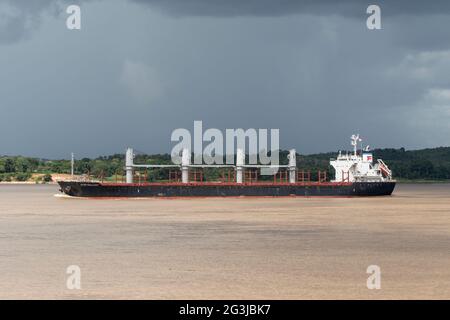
(425,164)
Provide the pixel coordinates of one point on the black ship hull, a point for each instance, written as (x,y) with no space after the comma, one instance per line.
(311,189)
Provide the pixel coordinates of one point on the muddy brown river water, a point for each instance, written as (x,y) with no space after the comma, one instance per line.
(235,248)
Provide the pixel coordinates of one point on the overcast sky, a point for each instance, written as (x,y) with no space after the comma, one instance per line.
(138,69)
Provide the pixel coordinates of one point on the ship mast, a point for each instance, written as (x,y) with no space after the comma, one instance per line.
(72,164)
(355,139)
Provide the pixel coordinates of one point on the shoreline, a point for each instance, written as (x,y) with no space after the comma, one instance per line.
(26,183)
(55,183)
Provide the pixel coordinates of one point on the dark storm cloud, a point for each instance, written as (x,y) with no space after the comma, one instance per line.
(293,65)
(18,18)
(287,7)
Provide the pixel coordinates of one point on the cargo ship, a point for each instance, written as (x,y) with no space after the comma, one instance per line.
(356,174)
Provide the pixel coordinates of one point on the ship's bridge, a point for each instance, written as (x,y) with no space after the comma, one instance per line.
(359,167)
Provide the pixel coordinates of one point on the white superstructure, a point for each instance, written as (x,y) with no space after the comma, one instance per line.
(359,167)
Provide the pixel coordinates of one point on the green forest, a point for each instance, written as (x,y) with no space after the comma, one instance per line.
(407,165)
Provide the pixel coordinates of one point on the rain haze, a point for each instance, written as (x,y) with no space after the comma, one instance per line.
(139,69)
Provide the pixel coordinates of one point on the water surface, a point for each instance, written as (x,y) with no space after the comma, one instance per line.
(254,248)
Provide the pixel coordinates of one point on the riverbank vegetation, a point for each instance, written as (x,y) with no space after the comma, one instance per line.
(408,165)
